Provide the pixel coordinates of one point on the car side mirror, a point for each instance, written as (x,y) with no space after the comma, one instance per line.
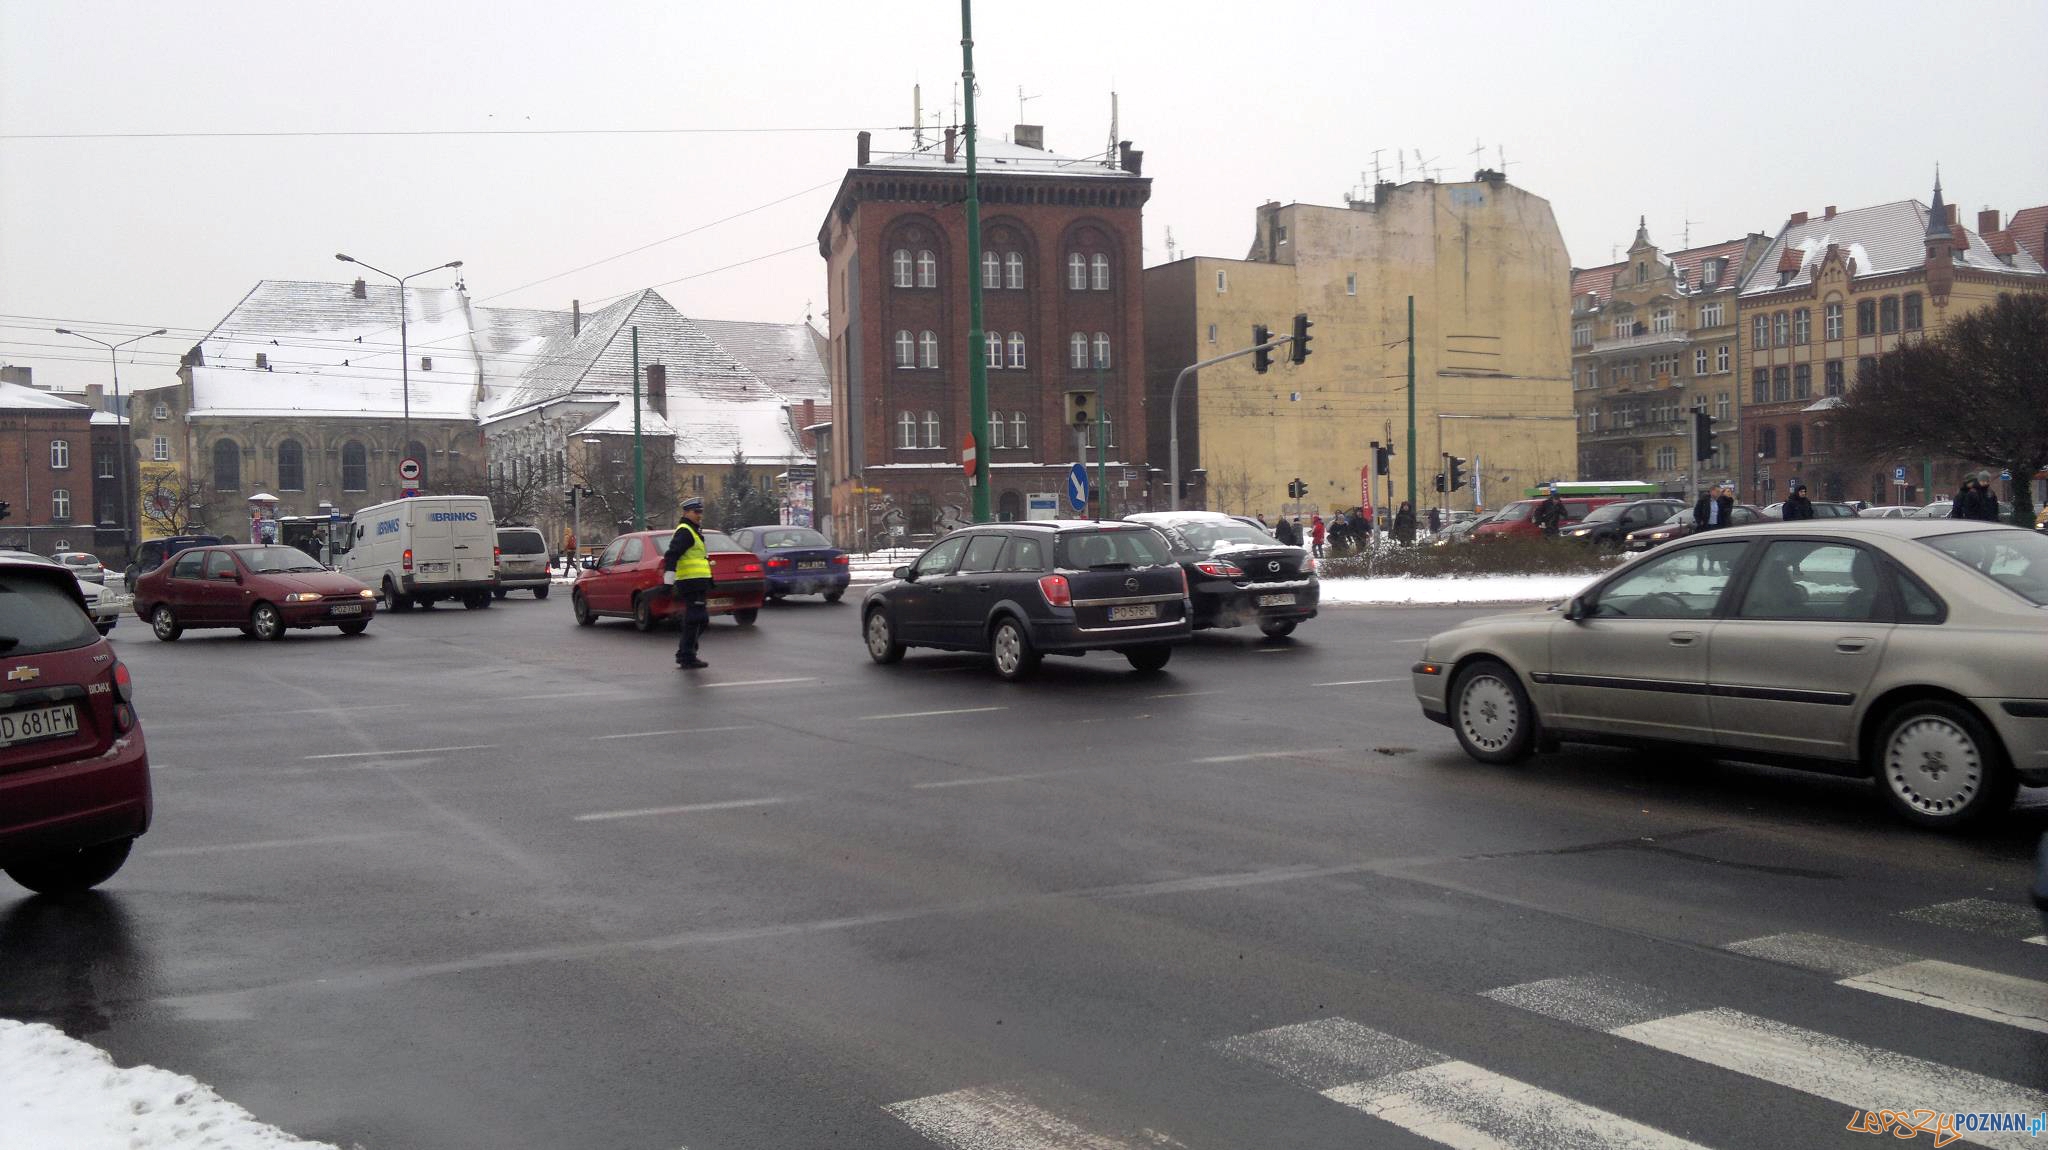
(906,574)
(231,576)
(1575,608)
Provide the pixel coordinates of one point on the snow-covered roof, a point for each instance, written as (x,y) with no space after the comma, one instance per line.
(15,397)
(619,421)
(994,157)
(1882,239)
(108,419)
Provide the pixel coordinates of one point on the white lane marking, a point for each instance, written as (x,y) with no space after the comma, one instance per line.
(686,808)
(404,753)
(1848,1073)
(1182,694)
(758,682)
(1424,639)
(975,782)
(1356,682)
(994,1118)
(678,731)
(1995,997)
(335,710)
(2039,940)
(1274,650)
(1257,755)
(1447,1101)
(1978,916)
(538,698)
(268,844)
(929,714)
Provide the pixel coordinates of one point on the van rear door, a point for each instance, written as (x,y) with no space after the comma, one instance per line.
(474,540)
(433,556)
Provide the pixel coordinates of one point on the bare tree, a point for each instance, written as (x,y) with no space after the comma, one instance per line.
(1976,391)
(605,472)
(171,503)
(1233,485)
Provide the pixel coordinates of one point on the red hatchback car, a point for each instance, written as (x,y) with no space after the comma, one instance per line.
(1519,517)
(264,590)
(74,775)
(627,581)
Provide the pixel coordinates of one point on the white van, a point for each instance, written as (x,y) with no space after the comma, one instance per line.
(418,551)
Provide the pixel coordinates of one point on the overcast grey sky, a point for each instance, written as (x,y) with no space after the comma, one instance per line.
(1732,115)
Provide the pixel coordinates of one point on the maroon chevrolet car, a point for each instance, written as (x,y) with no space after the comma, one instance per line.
(263,590)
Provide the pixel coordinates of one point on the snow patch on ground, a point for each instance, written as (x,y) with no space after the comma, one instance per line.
(57,1093)
(1469,589)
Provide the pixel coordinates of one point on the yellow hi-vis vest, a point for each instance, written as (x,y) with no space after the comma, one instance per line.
(696,561)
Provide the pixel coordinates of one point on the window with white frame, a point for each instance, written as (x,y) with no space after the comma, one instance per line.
(1721,359)
(1582,335)
(1101,349)
(160,411)
(1664,366)
(60,454)
(1667,458)
(1592,419)
(991,270)
(1759,332)
(927,269)
(906,350)
(1711,313)
(1350,283)
(1721,406)
(928,349)
(1013,264)
(995,429)
(160,449)
(1077,271)
(1077,350)
(1802,326)
(931,429)
(1624,326)
(1098,272)
(906,429)
(1781,329)
(1017,349)
(994,342)
(60,504)
(1017,426)
(1831,321)
(899,264)
(1222,283)
(103,464)
(1699,361)
(1663,322)
(1107,429)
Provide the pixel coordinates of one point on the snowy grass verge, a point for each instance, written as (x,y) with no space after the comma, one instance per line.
(1413,590)
(57,1093)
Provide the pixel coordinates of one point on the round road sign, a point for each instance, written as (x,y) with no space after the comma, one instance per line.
(409,470)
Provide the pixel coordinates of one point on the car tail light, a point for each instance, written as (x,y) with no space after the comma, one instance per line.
(778,563)
(1057,593)
(840,561)
(124,691)
(405,560)
(750,568)
(1220,568)
(497,556)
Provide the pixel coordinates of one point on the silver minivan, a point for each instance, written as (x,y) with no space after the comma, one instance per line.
(523,561)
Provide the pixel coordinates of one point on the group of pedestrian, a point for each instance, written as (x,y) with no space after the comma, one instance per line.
(1976,500)
(1291,532)
(1716,508)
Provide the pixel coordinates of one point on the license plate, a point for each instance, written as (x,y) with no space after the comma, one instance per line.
(818,566)
(718,605)
(1136,611)
(346,609)
(41,723)
(433,567)
(1286,600)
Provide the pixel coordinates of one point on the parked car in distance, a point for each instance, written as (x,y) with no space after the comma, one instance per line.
(1461,531)
(85,565)
(1021,591)
(262,589)
(1238,574)
(1820,510)
(103,605)
(626,583)
(1885,511)
(152,553)
(1681,525)
(1609,525)
(74,771)
(1914,652)
(523,562)
(1519,517)
(797,561)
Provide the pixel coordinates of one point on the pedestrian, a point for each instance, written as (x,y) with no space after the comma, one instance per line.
(568,550)
(687,564)
(1404,523)
(1550,515)
(1319,532)
(1436,520)
(1284,532)
(1797,505)
(1706,514)
(1976,500)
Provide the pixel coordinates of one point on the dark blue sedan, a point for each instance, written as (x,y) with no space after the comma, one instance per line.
(798,561)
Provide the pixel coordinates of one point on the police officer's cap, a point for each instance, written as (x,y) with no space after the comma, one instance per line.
(693,504)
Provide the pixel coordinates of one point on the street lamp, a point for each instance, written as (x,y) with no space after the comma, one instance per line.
(404,353)
(120,412)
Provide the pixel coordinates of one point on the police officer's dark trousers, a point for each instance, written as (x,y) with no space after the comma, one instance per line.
(694,616)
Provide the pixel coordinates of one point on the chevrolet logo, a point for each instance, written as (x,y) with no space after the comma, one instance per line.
(23,674)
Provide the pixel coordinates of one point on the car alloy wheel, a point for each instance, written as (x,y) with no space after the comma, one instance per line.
(1491,713)
(164,623)
(1940,766)
(1012,650)
(881,637)
(265,623)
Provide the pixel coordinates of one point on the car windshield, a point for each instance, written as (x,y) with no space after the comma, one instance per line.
(1607,514)
(1206,534)
(1516,512)
(784,538)
(37,616)
(521,543)
(1110,550)
(2015,560)
(720,541)
(278,560)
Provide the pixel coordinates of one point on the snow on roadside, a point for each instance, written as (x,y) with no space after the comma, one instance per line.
(57,1093)
(1466,589)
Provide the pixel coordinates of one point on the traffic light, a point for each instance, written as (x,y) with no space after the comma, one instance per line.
(1080,410)
(1439,482)
(1298,350)
(1456,467)
(1702,434)
(1296,489)
(6,509)
(1382,459)
(1263,357)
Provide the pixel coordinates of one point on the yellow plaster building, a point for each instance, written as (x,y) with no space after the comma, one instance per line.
(1487,266)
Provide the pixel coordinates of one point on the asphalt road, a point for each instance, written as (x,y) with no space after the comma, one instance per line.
(488,879)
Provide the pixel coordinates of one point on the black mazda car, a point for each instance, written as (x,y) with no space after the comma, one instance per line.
(1021,591)
(1237,573)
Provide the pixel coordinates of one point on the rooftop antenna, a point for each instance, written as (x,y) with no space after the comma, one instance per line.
(956,103)
(1478,154)
(1170,256)
(1687,240)
(1400,166)
(1503,158)
(1021,97)
(917,116)
(1422,165)
(1376,164)
(1111,152)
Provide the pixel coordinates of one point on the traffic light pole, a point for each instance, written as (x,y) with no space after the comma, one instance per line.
(1411,400)
(1173,409)
(977,362)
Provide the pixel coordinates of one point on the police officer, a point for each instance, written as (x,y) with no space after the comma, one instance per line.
(688,563)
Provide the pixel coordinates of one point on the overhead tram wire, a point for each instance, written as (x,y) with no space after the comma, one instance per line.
(424,133)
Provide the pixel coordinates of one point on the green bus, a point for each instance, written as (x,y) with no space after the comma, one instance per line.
(1564,488)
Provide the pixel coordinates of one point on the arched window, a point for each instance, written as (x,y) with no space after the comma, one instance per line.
(928,349)
(906,429)
(291,466)
(1098,272)
(418,451)
(1077,350)
(927,269)
(1017,430)
(899,263)
(995,430)
(991,269)
(227,465)
(993,348)
(931,429)
(355,467)
(1767,442)
(1010,508)
(1014,264)
(1101,349)
(1077,271)
(1016,349)
(906,349)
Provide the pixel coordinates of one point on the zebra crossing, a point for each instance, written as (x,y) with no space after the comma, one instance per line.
(1460,1103)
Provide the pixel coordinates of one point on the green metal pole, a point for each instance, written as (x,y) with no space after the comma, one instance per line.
(977,361)
(1101,454)
(639,465)
(1411,398)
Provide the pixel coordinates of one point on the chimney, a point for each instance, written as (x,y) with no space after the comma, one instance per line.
(950,137)
(657,389)
(1029,136)
(1797,219)
(263,360)
(810,412)
(1987,221)
(575,318)
(860,148)
(361,290)
(1953,217)
(96,396)
(1829,212)
(1130,159)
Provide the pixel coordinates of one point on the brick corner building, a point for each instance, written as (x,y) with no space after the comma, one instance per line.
(1062,308)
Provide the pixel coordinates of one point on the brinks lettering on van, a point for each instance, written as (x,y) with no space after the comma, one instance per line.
(387,526)
(452,517)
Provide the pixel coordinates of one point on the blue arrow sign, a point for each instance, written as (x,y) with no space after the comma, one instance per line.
(1077,487)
